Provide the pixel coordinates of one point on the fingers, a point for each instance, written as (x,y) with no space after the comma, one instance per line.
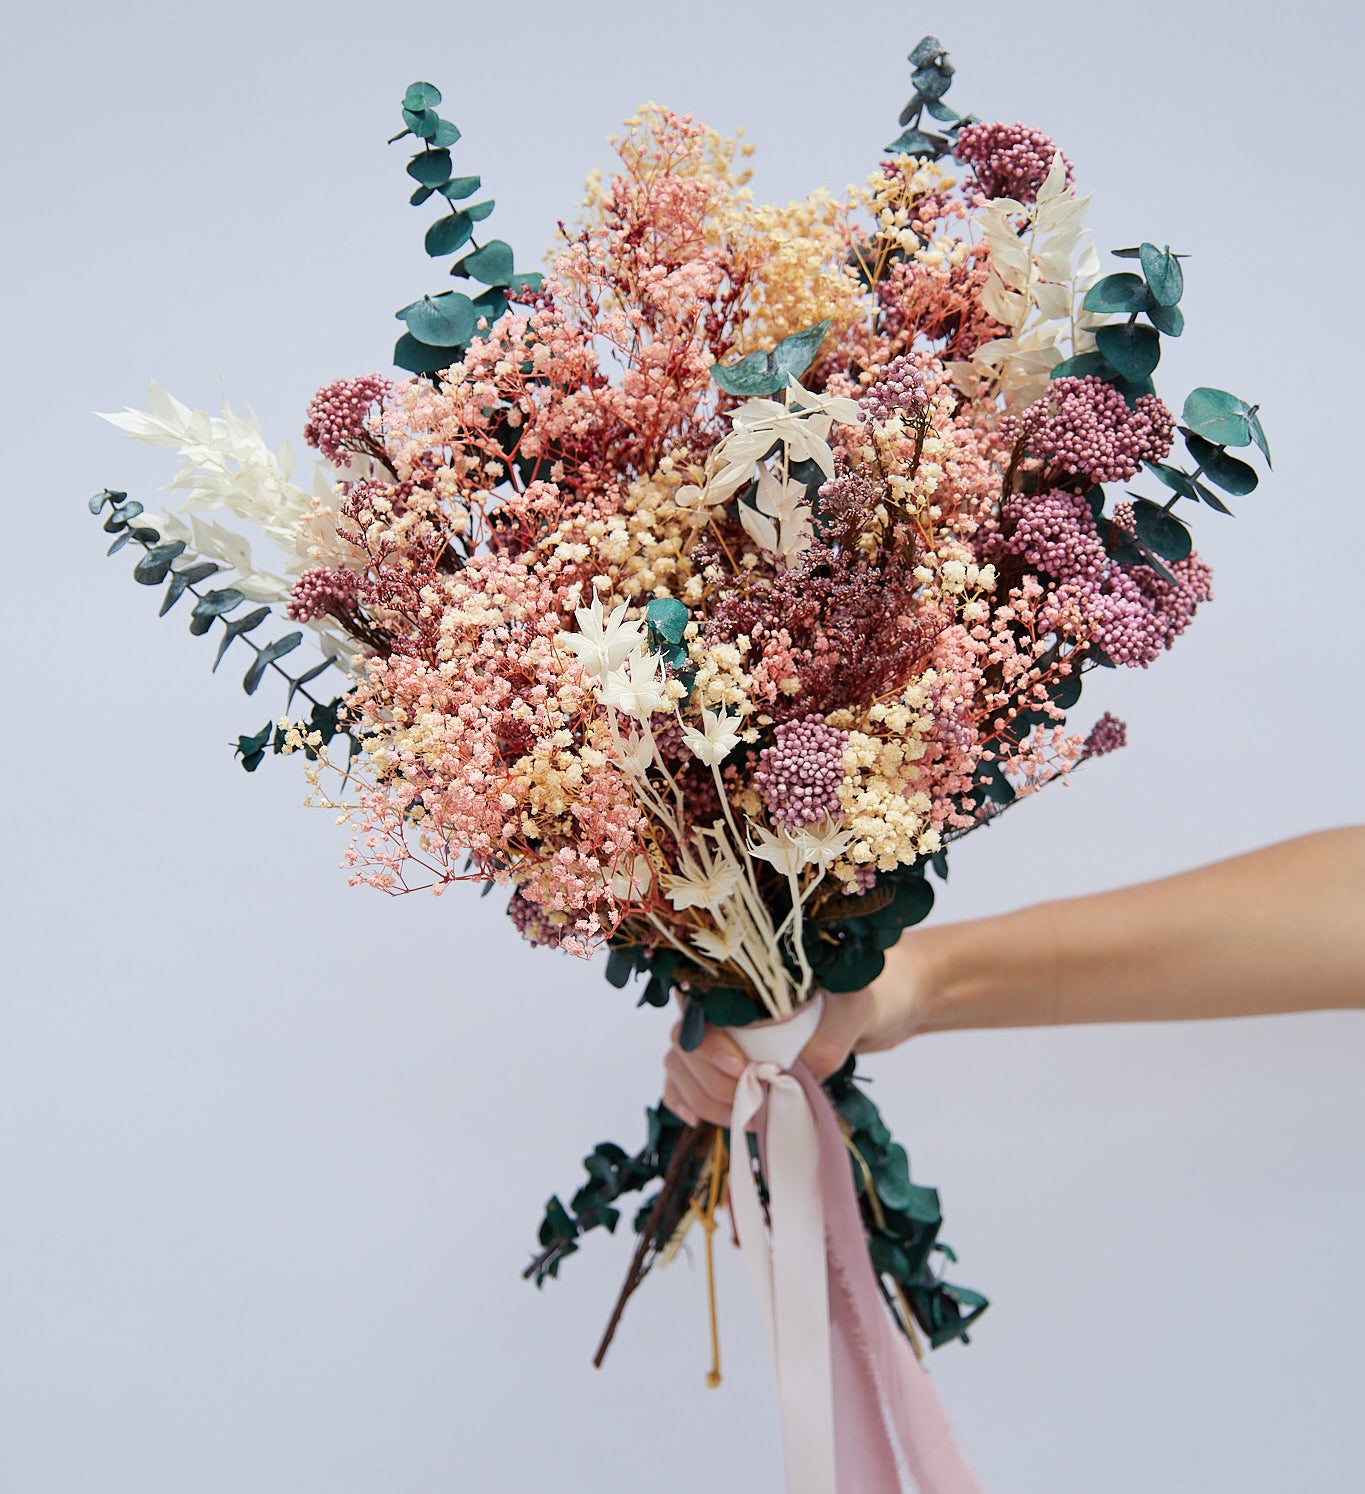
(700,1085)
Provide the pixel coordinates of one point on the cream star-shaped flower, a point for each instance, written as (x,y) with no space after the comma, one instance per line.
(717,739)
(603,642)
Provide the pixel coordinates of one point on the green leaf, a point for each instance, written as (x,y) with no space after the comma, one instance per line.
(528,282)
(944,113)
(213,604)
(418,357)
(442,321)
(420,196)
(107,495)
(155,565)
(750,377)
(1163,273)
(421,96)
(422,122)
(654,994)
(446,135)
(460,187)
(888,1259)
(1231,474)
(478,211)
(448,234)
(926,49)
(1134,253)
(912,903)
(1178,481)
(1131,349)
(1167,319)
(235,628)
(1118,293)
(855,964)
(693,1025)
(724,1006)
(668,618)
(795,354)
(181,580)
(492,264)
(915,142)
(1133,389)
(933,79)
(430,167)
(1160,530)
(892,1178)
(267,656)
(252,749)
(490,305)
(1084,365)
(1219,417)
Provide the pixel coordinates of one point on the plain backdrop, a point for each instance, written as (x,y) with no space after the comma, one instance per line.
(273,1150)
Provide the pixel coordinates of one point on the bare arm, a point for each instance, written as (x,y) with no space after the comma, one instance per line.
(1278,930)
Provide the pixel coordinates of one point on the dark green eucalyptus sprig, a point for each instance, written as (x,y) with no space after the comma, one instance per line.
(902,1219)
(156,565)
(440,327)
(931,79)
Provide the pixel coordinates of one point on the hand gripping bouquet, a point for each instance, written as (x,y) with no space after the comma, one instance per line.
(701,593)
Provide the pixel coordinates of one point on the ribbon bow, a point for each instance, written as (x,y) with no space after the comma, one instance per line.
(859,1413)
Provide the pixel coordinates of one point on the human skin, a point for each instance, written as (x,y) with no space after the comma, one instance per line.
(1280,929)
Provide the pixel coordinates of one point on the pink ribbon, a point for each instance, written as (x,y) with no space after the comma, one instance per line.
(859,1413)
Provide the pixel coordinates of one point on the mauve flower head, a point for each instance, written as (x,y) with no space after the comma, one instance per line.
(319,592)
(799,775)
(899,391)
(1009,160)
(338,411)
(1107,735)
(1083,427)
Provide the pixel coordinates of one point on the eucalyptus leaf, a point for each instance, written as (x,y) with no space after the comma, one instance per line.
(420,196)
(478,211)
(944,113)
(182,580)
(1130,348)
(1123,292)
(1163,273)
(1084,365)
(926,49)
(422,122)
(933,79)
(1231,474)
(1219,417)
(914,142)
(492,264)
(235,627)
(155,565)
(1160,530)
(419,358)
(667,618)
(421,96)
(1167,319)
(446,135)
(460,187)
(448,234)
(430,167)
(443,321)
(693,1026)
(267,656)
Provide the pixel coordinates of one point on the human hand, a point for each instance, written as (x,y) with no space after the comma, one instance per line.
(700,1085)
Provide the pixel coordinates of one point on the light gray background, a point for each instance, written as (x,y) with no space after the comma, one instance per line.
(272,1150)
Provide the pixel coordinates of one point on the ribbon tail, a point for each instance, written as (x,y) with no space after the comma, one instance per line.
(891,1432)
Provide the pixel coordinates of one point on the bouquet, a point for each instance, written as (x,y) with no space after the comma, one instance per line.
(700,593)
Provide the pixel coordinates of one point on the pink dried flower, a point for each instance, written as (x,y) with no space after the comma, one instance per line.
(899,391)
(321,592)
(1009,160)
(1107,735)
(1084,428)
(338,411)
(799,775)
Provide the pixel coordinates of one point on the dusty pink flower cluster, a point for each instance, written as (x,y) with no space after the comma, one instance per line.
(338,413)
(898,391)
(1082,427)
(800,773)
(1107,735)
(323,591)
(1009,160)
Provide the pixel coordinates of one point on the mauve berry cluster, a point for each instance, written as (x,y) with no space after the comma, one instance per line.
(320,592)
(1009,160)
(799,775)
(1107,735)
(899,391)
(533,923)
(337,414)
(1056,533)
(1084,427)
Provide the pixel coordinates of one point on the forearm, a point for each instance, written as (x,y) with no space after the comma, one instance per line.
(1281,929)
